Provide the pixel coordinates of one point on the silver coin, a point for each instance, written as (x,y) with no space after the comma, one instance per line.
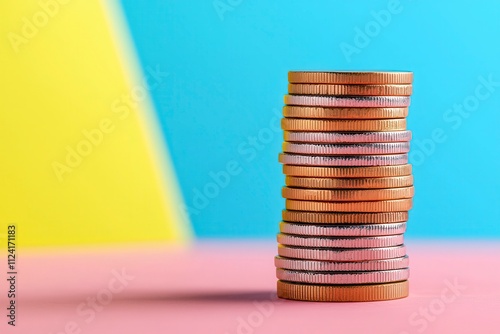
(339,230)
(354,160)
(342,254)
(359,277)
(347,137)
(352,101)
(340,242)
(314,265)
(346,149)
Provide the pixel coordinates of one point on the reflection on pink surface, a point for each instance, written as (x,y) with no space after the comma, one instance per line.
(230,288)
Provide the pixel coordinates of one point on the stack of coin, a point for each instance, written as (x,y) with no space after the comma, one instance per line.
(348,187)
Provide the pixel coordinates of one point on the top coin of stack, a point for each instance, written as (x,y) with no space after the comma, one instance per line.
(348,186)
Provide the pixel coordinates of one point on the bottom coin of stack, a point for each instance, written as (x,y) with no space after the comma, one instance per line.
(348,187)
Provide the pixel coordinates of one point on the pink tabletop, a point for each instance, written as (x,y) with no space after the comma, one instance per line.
(230,288)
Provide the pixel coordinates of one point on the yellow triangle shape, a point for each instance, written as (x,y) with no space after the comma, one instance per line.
(82,158)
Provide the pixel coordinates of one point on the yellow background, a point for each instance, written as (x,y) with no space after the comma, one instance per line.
(63,80)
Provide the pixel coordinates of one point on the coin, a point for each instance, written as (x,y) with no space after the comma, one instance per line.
(344,217)
(352,78)
(350,90)
(361,183)
(343,293)
(357,277)
(315,265)
(316,125)
(340,242)
(347,137)
(346,149)
(339,230)
(372,206)
(342,254)
(349,160)
(347,195)
(348,172)
(344,113)
(351,101)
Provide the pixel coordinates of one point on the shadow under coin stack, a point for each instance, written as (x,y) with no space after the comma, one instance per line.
(348,187)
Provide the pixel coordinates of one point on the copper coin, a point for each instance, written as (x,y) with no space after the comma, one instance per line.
(350,90)
(340,242)
(343,293)
(350,77)
(350,101)
(341,254)
(315,265)
(347,172)
(372,206)
(346,149)
(347,195)
(341,230)
(316,125)
(361,183)
(344,217)
(344,113)
(347,137)
(344,160)
(359,277)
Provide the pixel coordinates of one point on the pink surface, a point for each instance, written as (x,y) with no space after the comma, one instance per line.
(230,288)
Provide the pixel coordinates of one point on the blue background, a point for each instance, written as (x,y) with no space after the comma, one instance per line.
(228,75)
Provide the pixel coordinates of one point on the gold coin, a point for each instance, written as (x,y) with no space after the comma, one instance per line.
(343,293)
(344,217)
(350,90)
(347,172)
(373,206)
(361,183)
(296,124)
(356,78)
(348,195)
(344,113)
